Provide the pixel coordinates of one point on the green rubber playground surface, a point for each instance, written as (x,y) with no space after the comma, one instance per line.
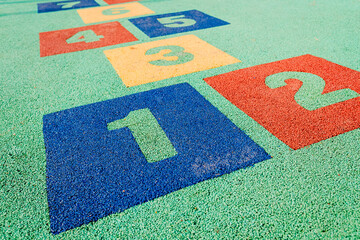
(308,189)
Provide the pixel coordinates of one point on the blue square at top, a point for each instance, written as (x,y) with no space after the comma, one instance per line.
(93,171)
(65,5)
(172,23)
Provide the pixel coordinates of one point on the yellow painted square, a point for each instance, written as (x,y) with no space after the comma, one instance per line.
(116,11)
(146,62)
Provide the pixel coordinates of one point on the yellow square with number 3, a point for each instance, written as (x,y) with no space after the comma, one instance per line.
(158,60)
(116,11)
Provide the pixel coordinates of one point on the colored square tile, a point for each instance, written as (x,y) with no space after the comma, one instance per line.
(94,171)
(65,5)
(172,23)
(301,100)
(83,38)
(107,13)
(158,60)
(118,1)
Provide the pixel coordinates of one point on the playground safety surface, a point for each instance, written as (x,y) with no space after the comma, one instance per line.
(164,119)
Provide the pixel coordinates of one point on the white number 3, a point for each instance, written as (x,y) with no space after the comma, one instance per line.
(176,21)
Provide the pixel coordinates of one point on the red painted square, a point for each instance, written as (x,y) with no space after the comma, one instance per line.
(276,108)
(55,42)
(118,1)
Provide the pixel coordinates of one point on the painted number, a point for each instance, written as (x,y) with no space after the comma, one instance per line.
(68,4)
(148,134)
(84,36)
(115,11)
(176,21)
(310,96)
(175,51)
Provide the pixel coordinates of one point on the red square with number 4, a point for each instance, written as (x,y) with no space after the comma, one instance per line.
(301,100)
(83,38)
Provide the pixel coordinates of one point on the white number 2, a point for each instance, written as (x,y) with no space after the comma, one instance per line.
(176,21)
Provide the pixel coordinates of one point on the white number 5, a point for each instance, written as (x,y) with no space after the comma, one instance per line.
(176,21)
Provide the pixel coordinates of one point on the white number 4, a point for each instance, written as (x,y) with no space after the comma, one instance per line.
(176,21)
(84,36)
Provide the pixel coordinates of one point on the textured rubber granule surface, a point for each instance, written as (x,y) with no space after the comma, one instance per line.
(309,193)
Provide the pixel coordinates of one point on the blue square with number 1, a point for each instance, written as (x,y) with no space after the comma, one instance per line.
(65,5)
(106,157)
(172,23)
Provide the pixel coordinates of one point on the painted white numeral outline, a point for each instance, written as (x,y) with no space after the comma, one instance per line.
(65,5)
(176,21)
(84,36)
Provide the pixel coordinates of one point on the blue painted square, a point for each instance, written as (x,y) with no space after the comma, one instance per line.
(172,23)
(93,172)
(65,5)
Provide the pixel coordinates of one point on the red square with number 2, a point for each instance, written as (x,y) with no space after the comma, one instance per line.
(301,100)
(83,38)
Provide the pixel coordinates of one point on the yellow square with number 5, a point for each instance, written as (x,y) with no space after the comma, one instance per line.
(107,13)
(158,60)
